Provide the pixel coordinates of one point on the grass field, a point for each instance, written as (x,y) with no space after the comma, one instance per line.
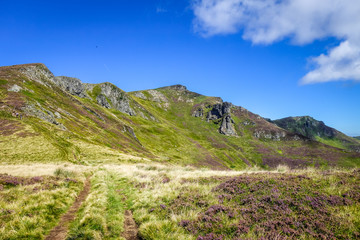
(172,202)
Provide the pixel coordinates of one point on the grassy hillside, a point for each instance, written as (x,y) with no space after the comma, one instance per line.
(46,118)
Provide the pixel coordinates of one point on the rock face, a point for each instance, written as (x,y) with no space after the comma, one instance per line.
(140,95)
(108,92)
(118,98)
(227,127)
(102,101)
(221,111)
(38,73)
(72,85)
(218,111)
(199,112)
(42,113)
(157,96)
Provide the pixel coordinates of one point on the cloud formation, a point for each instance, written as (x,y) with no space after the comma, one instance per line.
(301,21)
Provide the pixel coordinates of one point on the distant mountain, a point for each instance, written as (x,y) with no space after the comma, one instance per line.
(317,130)
(48,118)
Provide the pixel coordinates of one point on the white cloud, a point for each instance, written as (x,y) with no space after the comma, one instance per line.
(301,21)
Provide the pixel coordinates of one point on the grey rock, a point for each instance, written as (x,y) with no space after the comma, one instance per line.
(41,113)
(218,111)
(157,96)
(72,85)
(227,128)
(130,130)
(226,107)
(65,112)
(15,88)
(102,101)
(248,123)
(57,115)
(276,136)
(93,112)
(178,87)
(199,112)
(215,113)
(38,73)
(118,98)
(222,111)
(140,95)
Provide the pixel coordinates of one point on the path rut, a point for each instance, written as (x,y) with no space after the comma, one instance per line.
(130,228)
(60,231)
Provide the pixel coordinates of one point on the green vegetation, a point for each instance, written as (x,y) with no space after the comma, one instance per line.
(102,214)
(60,127)
(31,206)
(172,202)
(3,81)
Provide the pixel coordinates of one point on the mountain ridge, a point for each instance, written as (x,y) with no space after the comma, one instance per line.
(170,124)
(317,130)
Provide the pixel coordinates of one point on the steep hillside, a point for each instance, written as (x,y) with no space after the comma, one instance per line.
(48,118)
(317,130)
(358,138)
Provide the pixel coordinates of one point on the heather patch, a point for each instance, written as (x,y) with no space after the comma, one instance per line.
(278,206)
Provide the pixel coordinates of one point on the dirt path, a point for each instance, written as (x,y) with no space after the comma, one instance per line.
(60,231)
(130,228)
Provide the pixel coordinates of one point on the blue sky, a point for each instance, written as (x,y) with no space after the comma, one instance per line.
(273,68)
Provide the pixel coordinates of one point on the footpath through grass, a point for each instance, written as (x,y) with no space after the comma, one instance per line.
(31,206)
(171,202)
(102,214)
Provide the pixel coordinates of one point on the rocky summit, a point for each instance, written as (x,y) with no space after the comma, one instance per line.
(57,118)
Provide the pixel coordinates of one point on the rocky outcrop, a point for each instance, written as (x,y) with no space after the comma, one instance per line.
(38,73)
(222,111)
(227,127)
(199,112)
(177,87)
(130,130)
(218,111)
(140,95)
(271,135)
(39,112)
(118,98)
(157,96)
(72,85)
(15,88)
(102,101)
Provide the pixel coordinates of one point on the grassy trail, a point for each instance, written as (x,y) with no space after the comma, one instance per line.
(172,202)
(61,230)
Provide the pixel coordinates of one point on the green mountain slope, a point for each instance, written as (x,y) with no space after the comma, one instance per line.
(317,130)
(48,118)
